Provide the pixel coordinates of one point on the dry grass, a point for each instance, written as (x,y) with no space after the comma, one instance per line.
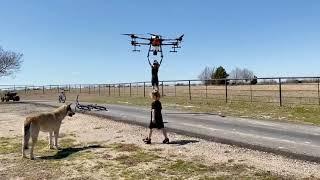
(301,94)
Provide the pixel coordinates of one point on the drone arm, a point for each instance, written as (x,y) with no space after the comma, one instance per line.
(169,44)
(149,61)
(168,39)
(138,43)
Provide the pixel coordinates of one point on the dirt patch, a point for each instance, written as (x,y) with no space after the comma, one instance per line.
(97,148)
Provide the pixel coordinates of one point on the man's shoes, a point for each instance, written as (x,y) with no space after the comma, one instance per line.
(165,141)
(147,141)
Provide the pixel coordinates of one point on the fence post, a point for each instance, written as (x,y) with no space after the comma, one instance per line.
(130,89)
(89,89)
(137,89)
(99,89)
(251,92)
(57,88)
(226,87)
(119,89)
(318,92)
(25,90)
(124,89)
(162,88)
(189,90)
(69,89)
(42,89)
(175,89)
(280,92)
(144,89)
(80,88)
(109,90)
(206,89)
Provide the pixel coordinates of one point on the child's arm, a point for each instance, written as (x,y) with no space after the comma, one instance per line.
(153,116)
(161,61)
(149,62)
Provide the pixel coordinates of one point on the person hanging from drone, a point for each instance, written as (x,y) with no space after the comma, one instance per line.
(154,73)
(155,44)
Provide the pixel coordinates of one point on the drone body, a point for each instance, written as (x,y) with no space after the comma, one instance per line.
(155,43)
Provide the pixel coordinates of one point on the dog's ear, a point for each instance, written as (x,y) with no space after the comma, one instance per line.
(69,104)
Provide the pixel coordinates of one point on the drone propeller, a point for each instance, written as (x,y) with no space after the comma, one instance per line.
(133,36)
(180,38)
(155,35)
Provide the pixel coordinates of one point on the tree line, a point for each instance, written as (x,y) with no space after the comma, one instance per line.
(211,75)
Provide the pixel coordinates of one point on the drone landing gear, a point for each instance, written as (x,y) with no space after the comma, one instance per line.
(155,53)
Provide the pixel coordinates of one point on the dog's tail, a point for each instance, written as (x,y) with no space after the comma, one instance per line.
(26,132)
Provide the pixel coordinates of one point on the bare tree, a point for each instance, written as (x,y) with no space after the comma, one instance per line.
(247,74)
(244,74)
(236,73)
(10,62)
(206,75)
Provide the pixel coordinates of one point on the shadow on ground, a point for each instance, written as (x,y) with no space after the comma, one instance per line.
(183,142)
(64,153)
(200,113)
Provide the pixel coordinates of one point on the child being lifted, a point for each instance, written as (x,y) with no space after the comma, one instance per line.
(154,70)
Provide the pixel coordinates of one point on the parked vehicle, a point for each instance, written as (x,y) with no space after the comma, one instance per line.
(10,95)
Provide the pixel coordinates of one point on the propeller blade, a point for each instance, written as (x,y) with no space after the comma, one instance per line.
(132,35)
(155,35)
(180,38)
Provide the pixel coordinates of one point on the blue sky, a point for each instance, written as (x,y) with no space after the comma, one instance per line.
(65,41)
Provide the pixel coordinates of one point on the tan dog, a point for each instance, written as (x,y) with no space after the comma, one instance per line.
(46,122)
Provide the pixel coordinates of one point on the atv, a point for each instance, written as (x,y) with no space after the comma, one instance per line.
(10,95)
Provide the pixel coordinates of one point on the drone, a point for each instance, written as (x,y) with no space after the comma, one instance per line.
(155,43)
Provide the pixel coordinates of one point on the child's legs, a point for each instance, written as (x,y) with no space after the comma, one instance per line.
(150,134)
(155,85)
(164,131)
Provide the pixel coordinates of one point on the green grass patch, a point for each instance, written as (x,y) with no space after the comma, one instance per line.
(32,169)
(181,167)
(66,142)
(124,147)
(136,158)
(10,145)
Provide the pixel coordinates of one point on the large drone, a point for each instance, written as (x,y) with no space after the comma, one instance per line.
(155,43)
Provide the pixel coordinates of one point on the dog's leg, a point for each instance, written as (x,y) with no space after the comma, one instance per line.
(25,144)
(25,139)
(50,140)
(56,135)
(34,136)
